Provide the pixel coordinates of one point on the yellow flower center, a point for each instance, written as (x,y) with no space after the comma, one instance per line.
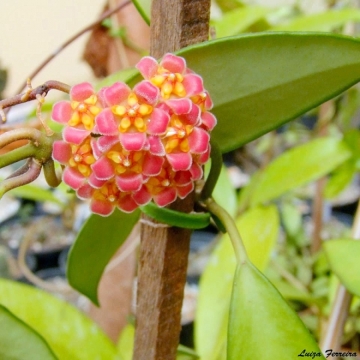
(169,83)
(82,157)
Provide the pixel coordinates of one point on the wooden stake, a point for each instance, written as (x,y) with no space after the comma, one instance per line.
(164,250)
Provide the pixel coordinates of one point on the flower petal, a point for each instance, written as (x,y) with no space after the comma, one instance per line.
(183,191)
(180,161)
(193,84)
(103,208)
(159,121)
(173,63)
(127,204)
(180,106)
(104,143)
(105,122)
(152,164)
(198,140)
(61,112)
(196,171)
(182,178)
(208,120)
(85,191)
(146,91)
(193,116)
(130,182)
(142,197)
(81,92)
(204,157)
(147,66)
(133,141)
(165,197)
(73,178)
(74,135)
(116,93)
(95,182)
(103,168)
(61,152)
(156,147)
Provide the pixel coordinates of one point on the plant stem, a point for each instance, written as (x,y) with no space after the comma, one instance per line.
(16,155)
(216,164)
(341,304)
(228,222)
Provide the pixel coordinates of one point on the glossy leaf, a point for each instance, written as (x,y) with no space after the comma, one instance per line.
(18,341)
(144,8)
(299,166)
(238,20)
(259,231)
(176,218)
(343,256)
(96,243)
(259,311)
(69,333)
(325,21)
(260,81)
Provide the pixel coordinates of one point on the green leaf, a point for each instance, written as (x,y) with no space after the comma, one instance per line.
(299,166)
(144,8)
(259,230)
(185,353)
(224,193)
(259,311)
(33,192)
(176,218)
(18,341)
(69,333)
(125,345)
(96,243)
(260,81)
(343,256)
(238,20)
(326,21)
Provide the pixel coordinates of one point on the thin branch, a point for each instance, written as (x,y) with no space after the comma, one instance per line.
(72,39)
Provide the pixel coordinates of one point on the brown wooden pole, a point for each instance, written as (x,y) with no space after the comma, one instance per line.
(164,250)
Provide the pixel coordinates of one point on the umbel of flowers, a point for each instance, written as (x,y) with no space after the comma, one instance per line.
(124,147)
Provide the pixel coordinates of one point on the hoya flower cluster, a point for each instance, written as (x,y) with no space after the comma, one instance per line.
(124,147)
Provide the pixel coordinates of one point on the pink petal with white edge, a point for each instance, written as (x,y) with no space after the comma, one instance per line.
(116,93)
(147,66)
(142,197)
(193,117)
(173,63)
(61,112)
(95,182)
(103,208)
(132,182)
(193,84)
(159,121)
(106,123)
(183,191)
(61,152)
(133,141)
(198,140)
(196,171)
(182,178)
(127,204)
(147,92)
(74,135)
(104,143)
(208,120)
(156,147)
(165,197)
(73,178)
(203,158)
(103,168)
(152,164)
(81,92)
(180,106)
(208,102)
(180,161)
(85,191)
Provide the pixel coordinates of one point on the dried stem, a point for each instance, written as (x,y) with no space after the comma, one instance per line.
(341,305)
(73,38)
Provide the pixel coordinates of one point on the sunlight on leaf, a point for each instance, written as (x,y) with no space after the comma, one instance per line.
(68,332)
(259,230)
(268,322)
